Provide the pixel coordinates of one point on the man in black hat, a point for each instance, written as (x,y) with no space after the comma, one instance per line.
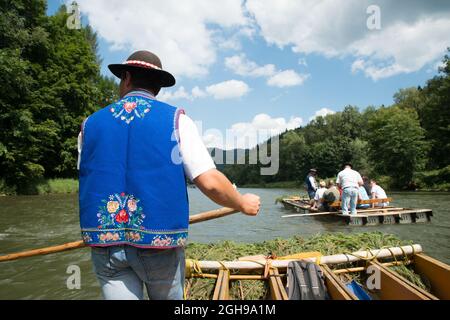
(133,198)
(311,184)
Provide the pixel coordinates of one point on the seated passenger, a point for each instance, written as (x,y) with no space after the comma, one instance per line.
(318,198)
(378,193)
(362,195)
(366,185)
(331,195)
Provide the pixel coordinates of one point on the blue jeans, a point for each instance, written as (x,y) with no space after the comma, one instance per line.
(349,196)
(124,270)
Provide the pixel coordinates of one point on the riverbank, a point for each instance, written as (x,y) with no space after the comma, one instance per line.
(70,186)
(58,186)
(441,187)
(49,186)
(431,181)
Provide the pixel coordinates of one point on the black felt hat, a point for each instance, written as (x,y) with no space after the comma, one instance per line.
(150,63)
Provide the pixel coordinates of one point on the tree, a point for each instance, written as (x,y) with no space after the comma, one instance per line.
(51,81)
(434,115)
(409,98)
(396,144)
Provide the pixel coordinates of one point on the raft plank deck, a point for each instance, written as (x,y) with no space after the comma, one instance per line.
(366,217)
(392,285)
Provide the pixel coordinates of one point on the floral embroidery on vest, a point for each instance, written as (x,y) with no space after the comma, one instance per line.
(129,108)
(120,219)
(121,211)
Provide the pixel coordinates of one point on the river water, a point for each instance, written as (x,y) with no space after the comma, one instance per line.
(38,221)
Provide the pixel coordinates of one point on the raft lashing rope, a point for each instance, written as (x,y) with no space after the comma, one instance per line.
(201,275)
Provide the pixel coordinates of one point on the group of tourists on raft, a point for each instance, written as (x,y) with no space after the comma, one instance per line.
(349,188)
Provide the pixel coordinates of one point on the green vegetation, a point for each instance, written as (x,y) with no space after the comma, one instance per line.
(58,186)
(327,244)
(51,81)
(405,146)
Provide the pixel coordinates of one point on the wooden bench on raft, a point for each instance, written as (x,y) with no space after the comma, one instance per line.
(338,204)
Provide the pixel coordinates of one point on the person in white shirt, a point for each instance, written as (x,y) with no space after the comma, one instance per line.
(199,168)
(378,193)
(349,181)
(318,198)
(141,263)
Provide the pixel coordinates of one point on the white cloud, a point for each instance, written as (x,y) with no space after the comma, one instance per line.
(198,93)
(240,65)
(228,89)
(322,113)
(413,33)
(179,32)
(382,55)
(287,78)
(212,140)
(180,93)
(188,34)
(245,135)
(223,90)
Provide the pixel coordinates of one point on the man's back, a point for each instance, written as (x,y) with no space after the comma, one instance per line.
(378,192)
(331,194)
(349,178)
(127,172)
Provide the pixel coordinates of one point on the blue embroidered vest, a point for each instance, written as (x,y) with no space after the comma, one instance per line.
(132,183)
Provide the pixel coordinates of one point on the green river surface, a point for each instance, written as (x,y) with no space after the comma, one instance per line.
(29,222)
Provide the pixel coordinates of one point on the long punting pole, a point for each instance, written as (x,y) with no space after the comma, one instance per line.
(334,259)
(204,216)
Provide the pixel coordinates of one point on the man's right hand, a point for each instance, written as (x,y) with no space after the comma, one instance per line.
(220,190)
(250,204)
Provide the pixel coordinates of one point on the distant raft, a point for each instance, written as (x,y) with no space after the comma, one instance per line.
(364,217)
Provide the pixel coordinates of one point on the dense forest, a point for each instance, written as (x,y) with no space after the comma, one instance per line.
(405,146)
(51,81)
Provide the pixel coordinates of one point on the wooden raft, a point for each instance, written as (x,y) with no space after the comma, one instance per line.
(392,285)
(364,217)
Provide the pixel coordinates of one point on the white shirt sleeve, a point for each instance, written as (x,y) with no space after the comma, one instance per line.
(312,180)
(196,158)
(80,144)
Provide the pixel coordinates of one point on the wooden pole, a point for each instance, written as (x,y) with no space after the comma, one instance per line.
(360,212)
(333,259)
(209,215)
(359,269)
(42,251)
(309,214)
(204,216)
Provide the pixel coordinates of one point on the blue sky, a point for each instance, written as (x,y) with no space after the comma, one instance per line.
(275,64)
